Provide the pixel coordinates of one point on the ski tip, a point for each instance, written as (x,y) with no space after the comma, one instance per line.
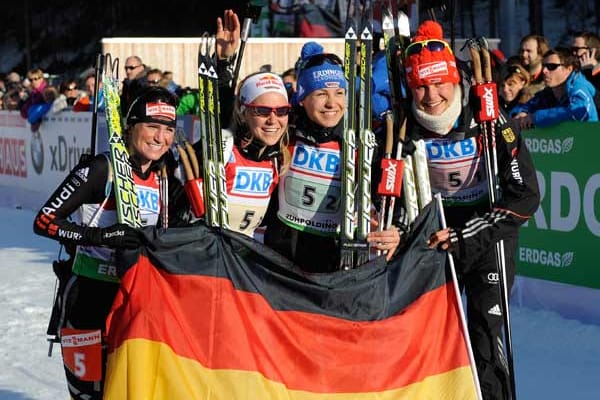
(403,24)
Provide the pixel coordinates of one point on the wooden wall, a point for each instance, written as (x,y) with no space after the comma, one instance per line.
(180,55)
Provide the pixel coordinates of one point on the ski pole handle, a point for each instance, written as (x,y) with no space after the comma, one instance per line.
(193,183)
(391,168)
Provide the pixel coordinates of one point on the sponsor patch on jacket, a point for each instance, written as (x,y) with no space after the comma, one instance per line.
(508,135)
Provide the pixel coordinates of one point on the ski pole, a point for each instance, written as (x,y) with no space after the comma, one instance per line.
(463,320)
(491,102)
(252,14)
(485,91)
(97,77)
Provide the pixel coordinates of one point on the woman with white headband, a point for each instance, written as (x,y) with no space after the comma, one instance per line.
(255,149)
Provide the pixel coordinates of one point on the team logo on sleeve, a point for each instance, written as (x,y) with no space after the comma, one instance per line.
(508,135)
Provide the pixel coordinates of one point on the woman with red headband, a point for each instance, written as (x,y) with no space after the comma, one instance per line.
(81,215)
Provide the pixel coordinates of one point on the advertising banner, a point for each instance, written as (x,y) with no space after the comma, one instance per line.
(560,243)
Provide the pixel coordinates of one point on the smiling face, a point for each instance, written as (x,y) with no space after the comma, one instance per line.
(267,129)
(511,87)
(434,99)
(150,141)
(325,106)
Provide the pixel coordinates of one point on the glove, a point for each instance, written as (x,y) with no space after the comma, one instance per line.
(115,236)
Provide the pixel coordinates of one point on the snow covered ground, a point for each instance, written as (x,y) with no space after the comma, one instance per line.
(555,358)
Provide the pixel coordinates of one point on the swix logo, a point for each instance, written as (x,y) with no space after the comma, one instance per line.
(391,180)
(148,199)
(488,98)
(450,149)
(317,161)
(252,181)
(390,177)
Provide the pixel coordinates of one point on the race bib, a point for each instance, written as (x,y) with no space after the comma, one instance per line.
(82,353)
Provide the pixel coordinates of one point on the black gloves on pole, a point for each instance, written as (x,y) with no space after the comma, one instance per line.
(115,236)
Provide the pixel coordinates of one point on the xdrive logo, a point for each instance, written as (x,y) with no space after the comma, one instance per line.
(549,146)
(65,156)
(546,257)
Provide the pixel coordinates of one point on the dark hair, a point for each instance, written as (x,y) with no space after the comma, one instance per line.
(289,72)
(64,85)
(592,41)
(565,56)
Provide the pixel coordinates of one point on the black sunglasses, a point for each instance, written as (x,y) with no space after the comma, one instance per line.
(130,67)
(265,111)
(575,49)
(551,66)
(431,45)
(320,59)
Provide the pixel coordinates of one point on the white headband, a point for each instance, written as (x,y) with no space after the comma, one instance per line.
(259,84)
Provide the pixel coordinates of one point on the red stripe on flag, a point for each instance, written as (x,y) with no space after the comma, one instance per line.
(205,319)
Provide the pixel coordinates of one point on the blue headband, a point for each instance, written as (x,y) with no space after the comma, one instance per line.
(322,76)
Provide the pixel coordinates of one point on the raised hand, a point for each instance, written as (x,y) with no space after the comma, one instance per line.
(228,35)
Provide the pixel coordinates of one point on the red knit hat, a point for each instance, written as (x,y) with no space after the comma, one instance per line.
(434,63)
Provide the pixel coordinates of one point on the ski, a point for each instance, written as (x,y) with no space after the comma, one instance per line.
(366,142)
(485,91)
(213,167)
(358,142)
(348,150)
(395,41)
(123,183)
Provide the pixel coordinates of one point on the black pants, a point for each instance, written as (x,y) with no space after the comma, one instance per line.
(87,304)
(310,252)
(485,321)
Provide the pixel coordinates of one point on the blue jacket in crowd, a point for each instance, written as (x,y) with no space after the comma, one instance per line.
(577,105)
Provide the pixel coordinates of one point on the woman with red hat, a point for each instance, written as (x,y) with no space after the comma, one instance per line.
(445,121)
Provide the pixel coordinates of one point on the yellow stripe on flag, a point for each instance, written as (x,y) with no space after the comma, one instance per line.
(148,370)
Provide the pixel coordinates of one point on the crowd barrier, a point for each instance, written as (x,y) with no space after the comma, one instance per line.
(557,264)
(557,256)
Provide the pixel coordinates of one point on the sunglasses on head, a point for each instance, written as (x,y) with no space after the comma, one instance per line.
(551,66)
(433,45)
(320,59)
(265,111)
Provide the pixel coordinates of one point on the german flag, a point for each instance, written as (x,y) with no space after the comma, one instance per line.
(207,314)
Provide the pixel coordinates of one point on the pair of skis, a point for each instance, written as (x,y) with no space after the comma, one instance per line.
(358,141)
(405,171)
(485,90)
(128,211)
(213,165)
